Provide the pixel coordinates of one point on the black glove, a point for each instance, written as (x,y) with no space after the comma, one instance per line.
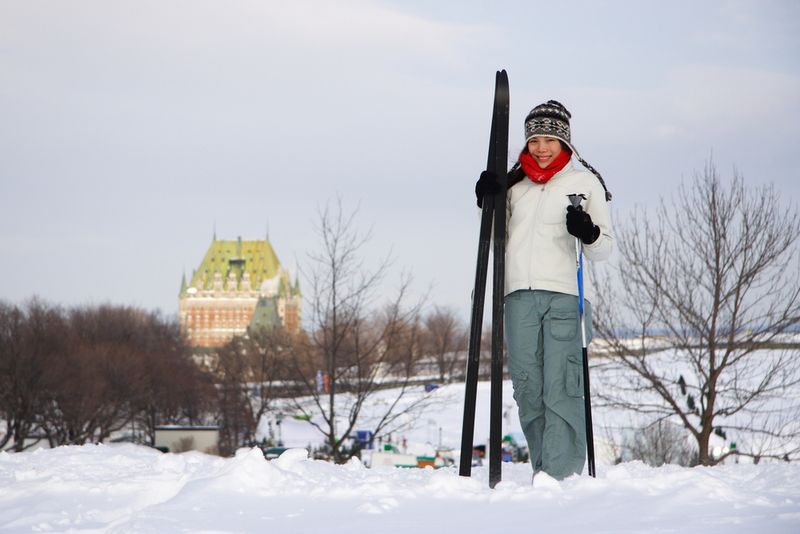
(579,224)
(487,184)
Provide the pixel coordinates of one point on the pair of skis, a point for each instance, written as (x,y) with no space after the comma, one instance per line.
(493,210)
(493,215)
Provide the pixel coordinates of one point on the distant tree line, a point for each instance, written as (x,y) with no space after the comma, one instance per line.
(74,376)
(92,373)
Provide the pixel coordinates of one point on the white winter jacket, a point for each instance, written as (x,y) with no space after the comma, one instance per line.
(540,253)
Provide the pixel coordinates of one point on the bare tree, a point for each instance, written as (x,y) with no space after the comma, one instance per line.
(249,370)
(445,340)
(31,342)
(709,285)
(87,405)
(353,348)
(17,413)
(119,365)
(233,398)
(99,375)
(172,388)
(660,443)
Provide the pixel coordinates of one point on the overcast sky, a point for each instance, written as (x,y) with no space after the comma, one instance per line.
(128,130)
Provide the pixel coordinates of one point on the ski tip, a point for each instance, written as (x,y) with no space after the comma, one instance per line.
(501,83)
(501,80)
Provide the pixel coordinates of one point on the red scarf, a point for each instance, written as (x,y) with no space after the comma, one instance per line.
(538,174)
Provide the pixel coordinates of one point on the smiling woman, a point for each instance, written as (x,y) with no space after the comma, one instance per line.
(541,294)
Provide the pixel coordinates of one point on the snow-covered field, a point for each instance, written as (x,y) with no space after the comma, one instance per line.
(128,488)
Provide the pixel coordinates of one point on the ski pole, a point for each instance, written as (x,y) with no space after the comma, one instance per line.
(575,199)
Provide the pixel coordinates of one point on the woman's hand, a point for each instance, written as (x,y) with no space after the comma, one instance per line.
(579,224)
(487,184)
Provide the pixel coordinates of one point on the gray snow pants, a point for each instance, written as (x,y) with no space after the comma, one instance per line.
(545,363)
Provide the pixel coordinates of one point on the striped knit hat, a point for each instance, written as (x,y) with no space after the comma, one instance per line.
(551,119)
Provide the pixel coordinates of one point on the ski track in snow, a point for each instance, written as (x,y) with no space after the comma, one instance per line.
(128,488)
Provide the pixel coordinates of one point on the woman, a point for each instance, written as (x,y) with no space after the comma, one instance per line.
(541,303)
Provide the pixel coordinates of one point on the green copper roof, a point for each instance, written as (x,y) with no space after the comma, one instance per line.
(184,287)
(266,314)
(254,257)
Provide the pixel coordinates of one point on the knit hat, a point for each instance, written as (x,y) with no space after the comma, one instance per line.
(551,119)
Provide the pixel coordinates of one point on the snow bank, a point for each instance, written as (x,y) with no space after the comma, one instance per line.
(126,488)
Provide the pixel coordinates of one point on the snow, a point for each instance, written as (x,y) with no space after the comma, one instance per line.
(129,488)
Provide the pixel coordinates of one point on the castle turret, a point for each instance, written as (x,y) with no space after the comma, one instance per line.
(184,287)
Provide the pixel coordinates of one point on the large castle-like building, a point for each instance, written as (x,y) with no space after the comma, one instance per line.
(240,285)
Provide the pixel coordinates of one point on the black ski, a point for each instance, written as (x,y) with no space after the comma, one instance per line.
(474,351)
(497,162)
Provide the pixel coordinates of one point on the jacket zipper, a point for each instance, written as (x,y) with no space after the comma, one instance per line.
(537,221)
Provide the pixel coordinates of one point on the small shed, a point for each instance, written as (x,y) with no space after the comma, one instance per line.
(177,438)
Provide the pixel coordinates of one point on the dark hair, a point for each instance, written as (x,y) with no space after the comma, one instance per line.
(515,175)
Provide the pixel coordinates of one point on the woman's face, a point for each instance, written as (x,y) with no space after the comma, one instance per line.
(544,150)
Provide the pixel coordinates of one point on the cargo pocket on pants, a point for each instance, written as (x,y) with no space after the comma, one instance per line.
(574,379)
(519,381)
(564,326)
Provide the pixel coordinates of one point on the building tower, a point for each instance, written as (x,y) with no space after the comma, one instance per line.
(239,285)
